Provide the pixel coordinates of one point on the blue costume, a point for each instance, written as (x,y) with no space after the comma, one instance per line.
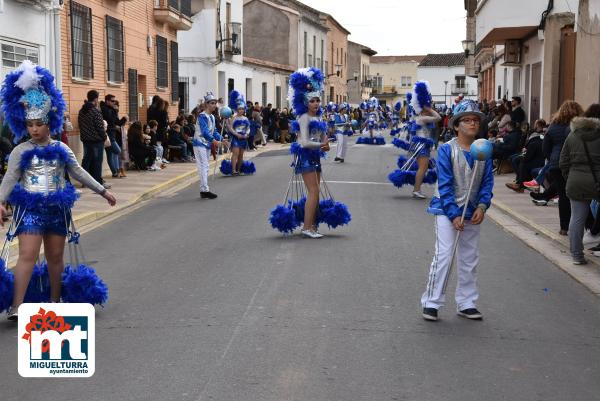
(206,133)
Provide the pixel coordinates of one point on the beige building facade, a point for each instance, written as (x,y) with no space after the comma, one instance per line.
(392,77)
(336,83)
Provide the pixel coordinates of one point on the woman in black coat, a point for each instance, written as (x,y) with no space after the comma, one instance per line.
(142,154)
(553,143)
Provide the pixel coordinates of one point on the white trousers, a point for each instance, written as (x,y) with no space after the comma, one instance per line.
(467,258)
(342,145)
(202,157)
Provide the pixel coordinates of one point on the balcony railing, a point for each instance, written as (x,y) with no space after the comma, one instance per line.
(176,13)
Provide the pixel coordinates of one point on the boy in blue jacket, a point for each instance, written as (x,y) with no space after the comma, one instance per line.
(455,167)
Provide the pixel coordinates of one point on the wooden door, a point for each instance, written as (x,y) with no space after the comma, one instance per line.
(536,86)
(566,83)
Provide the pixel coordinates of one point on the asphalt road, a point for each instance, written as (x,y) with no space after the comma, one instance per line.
(207,302)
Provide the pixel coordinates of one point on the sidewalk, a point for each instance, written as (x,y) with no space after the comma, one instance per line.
(538,227)
(137,187)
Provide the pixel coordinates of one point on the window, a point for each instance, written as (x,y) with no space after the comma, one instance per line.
(174,71)
(406,81)
(315,49)
(305,49)
(82,55)
(310,60)
(264,94)
(322,55)
(132,89)
(318,64)
(162,63)
(460,81)
(114,50)
(278,97)
(14,54)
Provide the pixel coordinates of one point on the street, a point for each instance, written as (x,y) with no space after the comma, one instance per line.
(208,302)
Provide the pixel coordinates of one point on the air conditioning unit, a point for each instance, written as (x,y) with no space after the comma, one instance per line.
(512,52)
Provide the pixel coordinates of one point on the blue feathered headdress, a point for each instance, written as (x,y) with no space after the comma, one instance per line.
(236,100)
(364,106)
(305,84)
(29,93)
(421,96)
(332,107)
(398,106)
(373,103)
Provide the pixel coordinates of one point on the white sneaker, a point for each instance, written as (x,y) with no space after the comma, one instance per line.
(311,234)
(11,314)
(418,195)
(165,161)
(590,239)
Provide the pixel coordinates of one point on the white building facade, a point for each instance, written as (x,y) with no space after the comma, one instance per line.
(30,30)
(446,76)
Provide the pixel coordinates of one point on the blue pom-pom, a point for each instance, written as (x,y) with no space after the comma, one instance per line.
(334,214)
(402,177)
(82,285)
(226,168)
(248,167)
(298,207)
(283,219)
(6,286)
(400,143)
(378,140)
(38,289)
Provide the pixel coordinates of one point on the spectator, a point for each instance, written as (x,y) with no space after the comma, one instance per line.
(151,131)
(517,115)
(552,146)
(92,135)
(266,119)
(110,114)
(140,151)
(508,146)
(176,139)
(284,126)
(580,166)
(186,134)
(531,158)
(273,127)
(500,120)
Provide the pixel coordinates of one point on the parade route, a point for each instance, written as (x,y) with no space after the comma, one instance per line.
(208,302)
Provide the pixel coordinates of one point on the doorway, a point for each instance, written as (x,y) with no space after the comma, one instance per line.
(536,86)
(143,98)
(566,81)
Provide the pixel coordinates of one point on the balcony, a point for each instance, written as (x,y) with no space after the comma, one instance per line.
(497,21)
(175,13)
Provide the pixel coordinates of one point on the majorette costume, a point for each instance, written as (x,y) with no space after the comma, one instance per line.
(396,118)
(383,117)
(239,131)
(206,133)
(455,167)
(331,111)
(343,130)
(306,84)
(419,128)
(371,125)
(35,186)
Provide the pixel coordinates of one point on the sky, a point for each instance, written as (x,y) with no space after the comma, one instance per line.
(400,27)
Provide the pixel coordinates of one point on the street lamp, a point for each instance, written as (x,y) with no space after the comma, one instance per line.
(338,71)
(445,90)
(468,46)
(355,78)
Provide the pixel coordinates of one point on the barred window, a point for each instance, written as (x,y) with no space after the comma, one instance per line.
(174,72)
(162,63)
(114,50)
(81,41)
(132,89)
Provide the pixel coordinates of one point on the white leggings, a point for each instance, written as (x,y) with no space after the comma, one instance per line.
(202,157)
(342,145)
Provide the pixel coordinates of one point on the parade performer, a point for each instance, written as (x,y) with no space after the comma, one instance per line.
(424,123)
(330,116)
(239,130)
(35,186)
(457,174)
(206,134)
(343,130)
(371,125)
(304,206)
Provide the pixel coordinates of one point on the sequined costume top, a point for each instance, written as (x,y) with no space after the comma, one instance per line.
(36,176)
(312,133)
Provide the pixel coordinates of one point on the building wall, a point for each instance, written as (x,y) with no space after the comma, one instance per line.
(25,26)
(392,76)
(436,77)
(316,34)
(358,62)
(260,21)
(138,24)
(587,83)
(337,41)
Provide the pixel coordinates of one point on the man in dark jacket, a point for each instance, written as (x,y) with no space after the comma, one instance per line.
(531,158)
(517,115)
(92,135)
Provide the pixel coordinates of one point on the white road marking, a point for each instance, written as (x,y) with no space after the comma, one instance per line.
(359,182)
